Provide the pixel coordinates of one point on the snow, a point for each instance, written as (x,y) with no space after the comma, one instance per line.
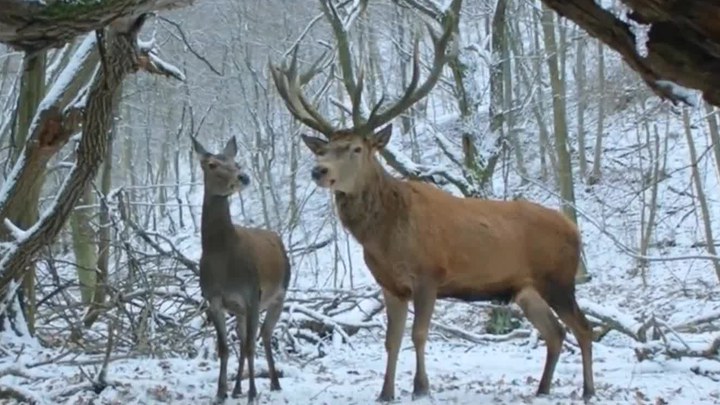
(688,96)
(459,374)
(17,233)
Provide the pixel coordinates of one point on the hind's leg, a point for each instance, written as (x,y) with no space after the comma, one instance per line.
(217,317)
(538,312)
(251,318)
(266,331)
(576,321)
(240,327)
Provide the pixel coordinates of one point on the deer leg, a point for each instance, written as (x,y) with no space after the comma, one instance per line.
(396,309)
(240,327)
(538,312)
(217,317)
(424,296)
(249,343)
(266,331)
(576,321)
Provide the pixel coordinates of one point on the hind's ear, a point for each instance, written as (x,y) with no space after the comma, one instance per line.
(198,148)
(230,148)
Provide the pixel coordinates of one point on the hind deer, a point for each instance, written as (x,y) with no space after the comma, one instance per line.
(242,270)
(422,244)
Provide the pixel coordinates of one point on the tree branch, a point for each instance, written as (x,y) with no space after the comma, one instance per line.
(683,42)
(33,26)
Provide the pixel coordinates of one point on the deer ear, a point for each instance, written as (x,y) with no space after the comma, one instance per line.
(198,148)
(381,138)
(230,148)
(313,143)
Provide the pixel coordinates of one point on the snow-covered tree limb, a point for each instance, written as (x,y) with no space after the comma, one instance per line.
(33,26)
(682,45)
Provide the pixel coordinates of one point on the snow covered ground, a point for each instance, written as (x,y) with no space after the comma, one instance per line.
(460,373)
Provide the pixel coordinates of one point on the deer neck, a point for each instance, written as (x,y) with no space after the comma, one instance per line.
(216,224)
(376,208)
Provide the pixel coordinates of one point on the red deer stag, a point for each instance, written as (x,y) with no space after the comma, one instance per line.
(242,270)
(421,243)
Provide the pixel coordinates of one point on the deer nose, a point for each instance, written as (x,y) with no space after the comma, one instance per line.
(244,179)
(318,171)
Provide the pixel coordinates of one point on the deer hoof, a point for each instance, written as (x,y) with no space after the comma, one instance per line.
(219,399)
(421,388)
(275,386)
(385,397)
(419,394)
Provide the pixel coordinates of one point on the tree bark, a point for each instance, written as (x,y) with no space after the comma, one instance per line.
(33,26)
(683,41)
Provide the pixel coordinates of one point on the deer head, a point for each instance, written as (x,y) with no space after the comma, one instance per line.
(222,175)
(345,156)
(342,163)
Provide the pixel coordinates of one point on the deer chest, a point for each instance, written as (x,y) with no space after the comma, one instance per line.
(395,276)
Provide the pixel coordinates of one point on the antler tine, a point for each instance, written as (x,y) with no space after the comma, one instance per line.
(413,93)
(289,85)
(356,99)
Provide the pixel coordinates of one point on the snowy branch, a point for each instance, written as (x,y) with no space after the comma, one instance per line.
(36,26)
(149,61)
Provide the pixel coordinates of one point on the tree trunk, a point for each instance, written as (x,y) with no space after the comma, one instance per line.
(596,174)
(120,51)
(581,105)
(83,238)
(711,116)
(565,178)
(702,200)
(104,232)
(32,90)
(497,96)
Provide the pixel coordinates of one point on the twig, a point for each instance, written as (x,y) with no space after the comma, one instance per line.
(192,50)
(101,380)
(174,254)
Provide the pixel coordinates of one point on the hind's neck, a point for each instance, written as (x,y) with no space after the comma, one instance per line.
(216,224)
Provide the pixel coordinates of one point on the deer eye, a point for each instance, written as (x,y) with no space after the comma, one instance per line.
(320,152)
(357,149)
(212,165)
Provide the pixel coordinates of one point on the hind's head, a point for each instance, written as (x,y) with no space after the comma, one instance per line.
(222,176)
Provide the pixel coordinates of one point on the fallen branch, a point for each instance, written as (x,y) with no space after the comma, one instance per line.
(484,338)
(615,320)
(8,392)
(675,350)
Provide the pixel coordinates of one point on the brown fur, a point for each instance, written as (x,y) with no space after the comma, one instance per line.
(460,244)
(242,270)
(422,243)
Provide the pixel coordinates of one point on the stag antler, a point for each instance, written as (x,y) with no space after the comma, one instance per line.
(290,88)
(289,84)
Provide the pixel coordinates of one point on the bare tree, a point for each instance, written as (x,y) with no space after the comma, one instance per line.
(58,118)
